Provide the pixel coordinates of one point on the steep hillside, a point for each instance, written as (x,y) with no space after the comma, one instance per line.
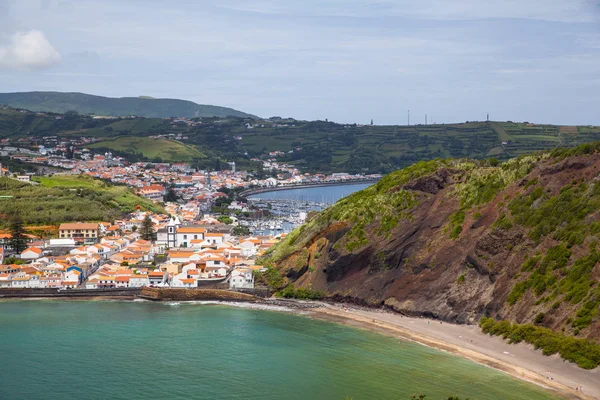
(460,239)
(124,106)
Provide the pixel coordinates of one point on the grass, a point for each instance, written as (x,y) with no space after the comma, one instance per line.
(60,199)
(69,181)
(152,149)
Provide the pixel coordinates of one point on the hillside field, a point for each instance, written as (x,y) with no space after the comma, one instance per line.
(153,149)
(65,198)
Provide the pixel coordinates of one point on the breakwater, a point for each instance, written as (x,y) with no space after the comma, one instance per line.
(250,192)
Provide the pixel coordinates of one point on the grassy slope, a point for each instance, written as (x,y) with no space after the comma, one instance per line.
(68,198)
(125,106)
(167,150)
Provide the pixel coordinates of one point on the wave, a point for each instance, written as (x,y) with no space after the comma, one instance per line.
(253,306)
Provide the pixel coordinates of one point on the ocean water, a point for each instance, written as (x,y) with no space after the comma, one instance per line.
(142,350)
(318,194)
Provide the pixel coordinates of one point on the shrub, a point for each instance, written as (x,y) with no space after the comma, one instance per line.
(583,352)
(289,292)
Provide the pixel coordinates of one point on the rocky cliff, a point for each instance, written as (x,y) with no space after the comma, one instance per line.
(462,239)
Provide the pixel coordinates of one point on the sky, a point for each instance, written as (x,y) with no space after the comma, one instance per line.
(342,60)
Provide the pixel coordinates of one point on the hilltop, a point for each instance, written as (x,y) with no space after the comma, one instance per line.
(64,198)
(143,106)
(462,239)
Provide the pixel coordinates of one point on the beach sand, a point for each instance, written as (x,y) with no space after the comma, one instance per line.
(519,360)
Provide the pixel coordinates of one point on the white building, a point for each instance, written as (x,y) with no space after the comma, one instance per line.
(138,281)
(241,278)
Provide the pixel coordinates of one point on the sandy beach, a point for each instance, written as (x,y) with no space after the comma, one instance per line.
(520,360)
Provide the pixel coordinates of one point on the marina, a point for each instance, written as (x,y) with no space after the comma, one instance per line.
(287,209)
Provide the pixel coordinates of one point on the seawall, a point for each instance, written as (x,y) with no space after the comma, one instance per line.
(50,293)
(161,294)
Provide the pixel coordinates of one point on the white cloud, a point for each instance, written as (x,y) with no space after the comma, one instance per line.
(28,50)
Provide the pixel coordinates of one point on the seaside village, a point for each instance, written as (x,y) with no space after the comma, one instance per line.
(103,255)
(191,247)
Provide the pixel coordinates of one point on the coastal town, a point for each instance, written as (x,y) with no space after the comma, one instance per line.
(191,245)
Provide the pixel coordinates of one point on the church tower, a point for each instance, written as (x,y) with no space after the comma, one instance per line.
(172,232)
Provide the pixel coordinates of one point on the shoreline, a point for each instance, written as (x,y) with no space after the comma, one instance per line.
(521,361)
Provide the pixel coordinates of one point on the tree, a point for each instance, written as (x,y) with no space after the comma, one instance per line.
(241,230)
(225,219)
(18,242)
(171,195)
(147,229)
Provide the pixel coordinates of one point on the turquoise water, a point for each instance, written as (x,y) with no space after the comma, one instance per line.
(131,350)
(318,194)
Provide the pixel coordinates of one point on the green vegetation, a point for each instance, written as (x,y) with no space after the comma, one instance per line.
(562,214)
(88,104)
(380,206)
(456,221)
(584,353)
(18,240)
(225,219)
(147,229)
(67,198)
(315,146)
(160,150)
(304,294)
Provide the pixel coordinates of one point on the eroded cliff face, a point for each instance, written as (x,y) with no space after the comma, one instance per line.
(457,240)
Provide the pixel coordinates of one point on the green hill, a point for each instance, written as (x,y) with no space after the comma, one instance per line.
(65,198)
(145,106)
(152,149)
(459,240)
(313,146)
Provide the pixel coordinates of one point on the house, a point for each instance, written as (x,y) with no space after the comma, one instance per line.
(214,238)
(139,280)
(1,255)
(241,278)
(72,275)
(5,280)
(106,282)
(80,231)
(122,281)
(92,284)
(157,277)
(31,253)
(182,256)
(69,284)
(185,234)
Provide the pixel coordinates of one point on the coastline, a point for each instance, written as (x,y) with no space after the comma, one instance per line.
(521,361)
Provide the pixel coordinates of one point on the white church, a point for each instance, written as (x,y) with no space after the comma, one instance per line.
(178,235)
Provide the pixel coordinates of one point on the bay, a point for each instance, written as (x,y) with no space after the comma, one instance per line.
(140,350)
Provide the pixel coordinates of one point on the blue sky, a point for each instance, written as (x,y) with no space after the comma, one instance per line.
(345,60)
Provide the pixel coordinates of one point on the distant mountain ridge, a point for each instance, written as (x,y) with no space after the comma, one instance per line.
(143,106)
